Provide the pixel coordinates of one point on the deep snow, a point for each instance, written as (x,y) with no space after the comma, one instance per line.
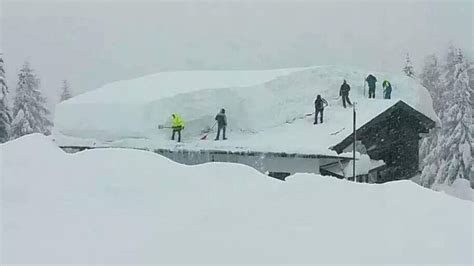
(266,109)
(128,206)
(460,188)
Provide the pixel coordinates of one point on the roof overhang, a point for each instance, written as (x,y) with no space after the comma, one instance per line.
(424,123)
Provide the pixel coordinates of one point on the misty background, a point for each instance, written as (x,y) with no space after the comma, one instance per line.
(91,43)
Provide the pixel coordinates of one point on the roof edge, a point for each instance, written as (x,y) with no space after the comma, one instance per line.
(399,104)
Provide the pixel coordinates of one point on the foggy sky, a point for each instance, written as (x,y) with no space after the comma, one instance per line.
(94,42)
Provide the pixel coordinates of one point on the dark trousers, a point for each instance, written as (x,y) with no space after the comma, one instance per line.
(388,95)
(219,128)
(345,98)
(316,112)
(372,93)
(179,134)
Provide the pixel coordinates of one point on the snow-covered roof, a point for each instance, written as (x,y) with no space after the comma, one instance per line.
(265,109)
(168,84)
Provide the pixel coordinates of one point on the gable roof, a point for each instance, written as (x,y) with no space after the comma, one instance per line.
(424,122)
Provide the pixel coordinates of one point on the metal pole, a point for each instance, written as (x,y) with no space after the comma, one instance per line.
(354,144)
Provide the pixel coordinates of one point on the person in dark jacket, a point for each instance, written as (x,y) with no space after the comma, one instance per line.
(387,89)
(344,92)
(319,105)
(221,119)
(371,80)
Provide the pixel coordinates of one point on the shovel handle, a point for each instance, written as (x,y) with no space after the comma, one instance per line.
(161,127)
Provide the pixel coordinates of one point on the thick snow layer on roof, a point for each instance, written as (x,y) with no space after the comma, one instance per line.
(168,84)
(266,114)
(117,206)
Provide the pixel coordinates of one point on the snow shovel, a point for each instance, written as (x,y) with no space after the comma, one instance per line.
(161,127)
(205,135)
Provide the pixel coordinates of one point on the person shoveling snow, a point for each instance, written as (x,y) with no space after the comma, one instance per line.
(177,125)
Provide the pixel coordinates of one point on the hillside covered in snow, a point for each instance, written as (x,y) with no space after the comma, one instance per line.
(265,109)
(130,207)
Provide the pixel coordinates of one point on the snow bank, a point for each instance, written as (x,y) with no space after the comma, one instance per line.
(263,108)
(131,207)
(461,188)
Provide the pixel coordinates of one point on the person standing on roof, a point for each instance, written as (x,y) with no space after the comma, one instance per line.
(319,105)
(387,89)
(371,80)
(221,119)
(177,125)
(344,92)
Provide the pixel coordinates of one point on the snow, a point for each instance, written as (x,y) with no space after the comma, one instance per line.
(363,166)
(131,207)
(460,188)
(169,84)
(265,109)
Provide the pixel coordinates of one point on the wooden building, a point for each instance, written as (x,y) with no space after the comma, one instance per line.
(393,136)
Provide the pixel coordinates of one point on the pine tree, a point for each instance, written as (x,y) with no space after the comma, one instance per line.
(29,111)
(457,136)
(431,79)
(408,69)
(65,92)
(429,155)
(450,156)
(5,116)
(449,68)
(451,61)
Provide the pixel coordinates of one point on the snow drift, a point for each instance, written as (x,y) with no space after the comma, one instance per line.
(259,104)
(128,206)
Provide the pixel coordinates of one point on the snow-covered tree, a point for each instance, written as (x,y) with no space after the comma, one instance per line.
(457,137)
(65,91)
(5,116)
(450,156)
(409,70)
(29,110)
(429,155)
(431,79)
(451,60)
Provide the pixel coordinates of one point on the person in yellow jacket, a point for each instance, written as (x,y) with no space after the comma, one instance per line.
(177,125)
(387,89)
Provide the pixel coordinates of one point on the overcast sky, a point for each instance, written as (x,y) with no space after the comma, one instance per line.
(94,42)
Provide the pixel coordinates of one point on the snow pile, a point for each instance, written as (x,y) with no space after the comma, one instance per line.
(263,108)
(134,108)
(461,188)
(131,207)
(363,166)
